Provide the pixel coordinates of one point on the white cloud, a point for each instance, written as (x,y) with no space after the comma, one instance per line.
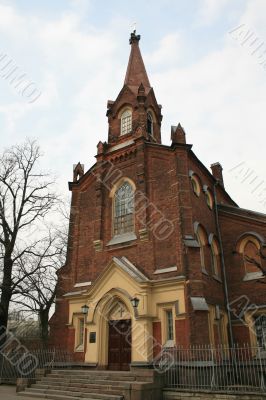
(10,20)
(210,10)
(219,101)
(168,53)
(12,113)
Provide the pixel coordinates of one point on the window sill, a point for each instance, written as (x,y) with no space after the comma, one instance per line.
(165,270)
(253,276)
(125,238)
(79,349)
(217,278)
(169,344)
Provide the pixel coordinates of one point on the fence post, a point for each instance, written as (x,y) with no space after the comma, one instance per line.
(53,359)
(2,366)
(262,383)
(213,369)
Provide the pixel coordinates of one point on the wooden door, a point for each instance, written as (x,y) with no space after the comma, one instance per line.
(119,357)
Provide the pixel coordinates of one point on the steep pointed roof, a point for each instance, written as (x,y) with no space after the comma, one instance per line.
(136,73)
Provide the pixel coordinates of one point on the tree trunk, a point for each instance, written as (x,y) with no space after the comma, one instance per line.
(5,298)
(44,325)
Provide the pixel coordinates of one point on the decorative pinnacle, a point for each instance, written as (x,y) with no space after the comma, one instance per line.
(134,38)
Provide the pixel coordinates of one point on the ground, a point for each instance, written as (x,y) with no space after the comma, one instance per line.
(9,393)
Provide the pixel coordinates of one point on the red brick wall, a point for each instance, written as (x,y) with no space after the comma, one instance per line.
(241,334)
(181,332)
(157,335)
(242,293)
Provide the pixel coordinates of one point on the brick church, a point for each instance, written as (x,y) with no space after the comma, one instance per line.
(159,255)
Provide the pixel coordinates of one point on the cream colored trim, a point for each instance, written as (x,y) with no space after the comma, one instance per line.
(120,183)
(223,322)
(79,347)
(244,241)
(77,293)
(123,109)
(121,145)
(165,308)
(250,276)
(197,183)
(123,238)
(81,284)
(165,270)
(116,283)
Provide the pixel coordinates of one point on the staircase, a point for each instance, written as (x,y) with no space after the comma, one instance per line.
(77,384)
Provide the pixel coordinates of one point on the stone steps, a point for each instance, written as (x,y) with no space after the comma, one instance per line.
(81,382)
(73,394)
(92,376)
(91,372)
(78,388)
(52,396)
(104,375)
(77,384)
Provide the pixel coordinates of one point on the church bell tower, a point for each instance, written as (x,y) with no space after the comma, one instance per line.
(135,112)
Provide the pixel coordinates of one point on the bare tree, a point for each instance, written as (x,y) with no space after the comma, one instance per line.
(258,264)
(26,197)
(36,293)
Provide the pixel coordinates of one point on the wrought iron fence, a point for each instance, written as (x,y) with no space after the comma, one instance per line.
(237,369)
(18,364)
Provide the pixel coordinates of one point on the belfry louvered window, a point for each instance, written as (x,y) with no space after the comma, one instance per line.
(124,209)
(149,124)
(126,122)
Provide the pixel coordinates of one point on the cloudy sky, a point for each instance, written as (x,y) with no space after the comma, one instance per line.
(206,60)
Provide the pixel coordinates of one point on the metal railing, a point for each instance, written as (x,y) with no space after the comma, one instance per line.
(237,369)
(17,364)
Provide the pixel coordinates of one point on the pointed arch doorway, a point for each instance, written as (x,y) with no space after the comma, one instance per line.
(119,338)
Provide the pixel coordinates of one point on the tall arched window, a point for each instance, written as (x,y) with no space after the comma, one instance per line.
(150,124)
(124,209)
(251,256)
(126,122)
(202,240)
(215,258)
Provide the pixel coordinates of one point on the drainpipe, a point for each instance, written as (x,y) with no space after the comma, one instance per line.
(231,339)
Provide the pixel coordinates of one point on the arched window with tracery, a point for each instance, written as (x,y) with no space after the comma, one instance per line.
(126,122)
(124,209)
(251,256)
(249,248)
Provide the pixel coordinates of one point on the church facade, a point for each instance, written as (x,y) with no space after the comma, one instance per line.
(159,255)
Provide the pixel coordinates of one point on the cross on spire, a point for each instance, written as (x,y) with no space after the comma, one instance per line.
(134,38)
(134,26)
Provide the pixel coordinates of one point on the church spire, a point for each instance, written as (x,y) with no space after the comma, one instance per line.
(135,113)
(136,73)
